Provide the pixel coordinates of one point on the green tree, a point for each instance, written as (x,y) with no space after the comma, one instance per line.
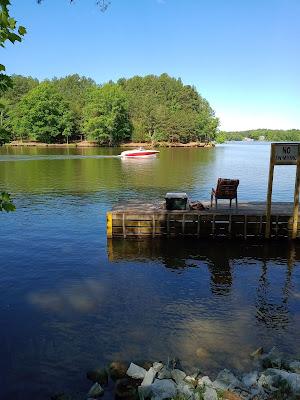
(161,105)
(21,85)
(221,138)
(106,117)
(9,31)
(74,89)
(43,115)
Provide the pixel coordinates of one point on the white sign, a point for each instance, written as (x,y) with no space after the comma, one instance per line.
(286,153)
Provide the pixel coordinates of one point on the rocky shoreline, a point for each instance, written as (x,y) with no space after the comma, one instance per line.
(273,378)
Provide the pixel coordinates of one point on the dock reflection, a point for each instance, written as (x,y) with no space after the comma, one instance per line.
(273,269)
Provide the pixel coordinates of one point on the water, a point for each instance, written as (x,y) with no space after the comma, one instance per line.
(70,301)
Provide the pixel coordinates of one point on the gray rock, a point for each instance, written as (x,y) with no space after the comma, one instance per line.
(210,394)
(250,379)
(136,372)
(144,392)
(178,375)
(266,382)
(164,373)
(191,380)
(95,391)
(157,366)
(149,377)
(291,378)
(273,359)
(185,390)
(163,389)
(205,380)
(294,366)
(226,380)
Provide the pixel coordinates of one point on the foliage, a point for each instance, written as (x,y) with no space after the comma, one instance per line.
(9,31)
(161,105)
(6,203)
(291,135)
(221,138)
(75,88)
(43,115)
(106,117)
(21,85)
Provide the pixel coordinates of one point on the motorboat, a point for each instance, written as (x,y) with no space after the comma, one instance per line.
(139,153)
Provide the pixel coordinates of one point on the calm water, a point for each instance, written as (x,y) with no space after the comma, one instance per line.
(70,301)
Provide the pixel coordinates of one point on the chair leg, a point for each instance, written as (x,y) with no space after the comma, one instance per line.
(236,202)
(211,200)
(216,202)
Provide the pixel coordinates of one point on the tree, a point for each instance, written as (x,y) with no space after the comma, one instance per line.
(21,85)
(9,31)
(74,89)
(163,106)
(43,115)
(106,117)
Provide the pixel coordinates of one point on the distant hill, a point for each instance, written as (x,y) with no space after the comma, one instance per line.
(292,135)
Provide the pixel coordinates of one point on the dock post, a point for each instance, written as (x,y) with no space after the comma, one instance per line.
(109,225)
(269,196)
(296,202)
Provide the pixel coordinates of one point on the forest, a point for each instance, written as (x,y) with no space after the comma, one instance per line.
(271,135)
(74,108)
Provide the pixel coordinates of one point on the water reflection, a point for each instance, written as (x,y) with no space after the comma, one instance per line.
(222,260)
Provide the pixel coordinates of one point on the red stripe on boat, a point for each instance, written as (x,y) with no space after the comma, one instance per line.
(141,153)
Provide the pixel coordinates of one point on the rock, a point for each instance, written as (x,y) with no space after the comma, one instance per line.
(250,379)
(136,372)
(291,378)
(273,359)
(149,377)
(265,382)
(126,388)
(257,353)
(210,394)
(227,395)
(144,392)
(294,366)
(95,391)
(163,389)
(174,364)
(205,380)
(185,390)
(99,375)
(191,380)
(178,375)
(164,373)
(157,366)
(146,364)
(226,380)
(118,369)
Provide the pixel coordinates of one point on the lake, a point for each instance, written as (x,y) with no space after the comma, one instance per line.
(67,304)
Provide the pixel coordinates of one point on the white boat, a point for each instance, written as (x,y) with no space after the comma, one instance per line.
(139,153)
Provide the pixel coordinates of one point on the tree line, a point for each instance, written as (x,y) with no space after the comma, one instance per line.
(151,108)
(270,135)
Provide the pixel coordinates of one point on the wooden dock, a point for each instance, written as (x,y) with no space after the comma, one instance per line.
(138,220)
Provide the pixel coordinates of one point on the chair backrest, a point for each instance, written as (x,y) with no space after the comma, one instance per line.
(227,188)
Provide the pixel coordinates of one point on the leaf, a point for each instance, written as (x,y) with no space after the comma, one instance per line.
(2,67)
(22,30)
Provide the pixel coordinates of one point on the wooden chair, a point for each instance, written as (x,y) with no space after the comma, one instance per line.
(226,189)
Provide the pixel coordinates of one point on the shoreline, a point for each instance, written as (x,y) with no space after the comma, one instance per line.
(87,143)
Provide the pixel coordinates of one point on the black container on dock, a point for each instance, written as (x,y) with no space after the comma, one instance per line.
(176,201)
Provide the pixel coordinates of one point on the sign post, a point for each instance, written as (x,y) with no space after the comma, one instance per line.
(283,154)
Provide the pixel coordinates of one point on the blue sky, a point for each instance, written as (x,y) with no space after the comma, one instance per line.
(243,56)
